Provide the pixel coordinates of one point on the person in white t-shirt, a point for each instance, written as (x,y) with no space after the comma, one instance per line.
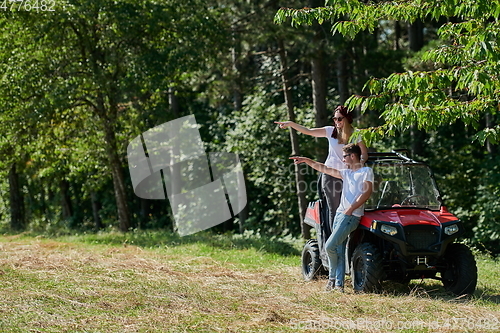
(338,135)
(357,188)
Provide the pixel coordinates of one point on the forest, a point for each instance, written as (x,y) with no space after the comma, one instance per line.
(81,79)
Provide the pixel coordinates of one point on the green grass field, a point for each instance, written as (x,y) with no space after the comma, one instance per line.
(158,282)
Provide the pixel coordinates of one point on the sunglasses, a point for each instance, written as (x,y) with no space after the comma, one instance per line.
(339,119)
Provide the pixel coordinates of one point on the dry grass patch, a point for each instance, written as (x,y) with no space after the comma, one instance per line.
(55,286)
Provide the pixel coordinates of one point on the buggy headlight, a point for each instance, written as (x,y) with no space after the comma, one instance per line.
(451,229)
(387,229)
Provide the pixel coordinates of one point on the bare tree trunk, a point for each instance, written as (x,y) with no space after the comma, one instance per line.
(416,41)
(319,89)
(397,35)
(319,100)
(175,171)
(114,162)
(237,95)
(342,76)
(144,213)
(17,214)
(118,183)
(238,104)
(319,72)
(243,215)
(416,35)
(96,207)
(491,148)
(67,209)
(299,177)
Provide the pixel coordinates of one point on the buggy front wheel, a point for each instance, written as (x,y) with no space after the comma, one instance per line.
(366,268)
(460,277)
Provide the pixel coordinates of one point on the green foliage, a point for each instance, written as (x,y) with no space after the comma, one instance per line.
(79,82)
(467,177)
(487,207)
(73,77)
(464,80)
(453,84)
(264,150)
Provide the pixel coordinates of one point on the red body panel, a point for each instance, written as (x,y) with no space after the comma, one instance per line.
(313,213)
(402,216)
(408,217)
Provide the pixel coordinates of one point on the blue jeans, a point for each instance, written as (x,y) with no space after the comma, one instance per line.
(335,246)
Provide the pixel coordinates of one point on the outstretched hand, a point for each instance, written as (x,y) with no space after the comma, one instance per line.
(298,159)
(283,124)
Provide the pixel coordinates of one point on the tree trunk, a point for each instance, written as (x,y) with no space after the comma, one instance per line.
(243,215)
(118,182)
(319,100)
(416,35)
(397,35)
(96,207)
(108,121)
(299,177)
(490,147)
(17,215)
(175,171)
(67,209)
(144,213)
(319,89)
(235,57)
(238,104)
(319,73)
(416,41)
(342,76)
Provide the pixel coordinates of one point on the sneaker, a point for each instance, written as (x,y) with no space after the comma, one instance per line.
(330,285)
(339,289)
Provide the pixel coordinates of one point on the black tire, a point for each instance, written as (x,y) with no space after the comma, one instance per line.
(311,262)
(367,270)
(460,277)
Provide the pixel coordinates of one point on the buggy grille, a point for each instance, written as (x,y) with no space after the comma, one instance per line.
(421,239)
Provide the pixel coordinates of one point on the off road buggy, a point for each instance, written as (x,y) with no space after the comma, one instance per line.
(406,232)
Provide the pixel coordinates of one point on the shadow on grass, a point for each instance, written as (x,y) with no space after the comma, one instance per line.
(158,239)
(488,295)
(435,290)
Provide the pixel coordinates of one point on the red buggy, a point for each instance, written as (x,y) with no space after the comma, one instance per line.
(406,232)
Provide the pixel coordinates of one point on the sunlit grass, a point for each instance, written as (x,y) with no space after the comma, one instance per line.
(157,282)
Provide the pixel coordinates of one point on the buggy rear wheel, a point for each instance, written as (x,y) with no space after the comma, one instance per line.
(311,262)
(366,270)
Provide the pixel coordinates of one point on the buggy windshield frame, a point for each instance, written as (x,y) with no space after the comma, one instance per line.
(403,183)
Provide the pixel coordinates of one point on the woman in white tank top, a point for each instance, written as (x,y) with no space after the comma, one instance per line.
(338,136)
